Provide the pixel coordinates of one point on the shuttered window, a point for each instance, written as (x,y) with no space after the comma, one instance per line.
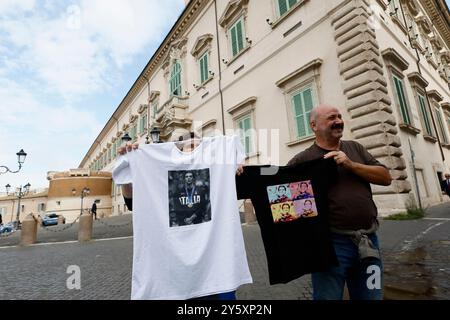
(302,103)
(237,36)
(204,68)
(175,79)
(285,5)
(401,99)
(245,126)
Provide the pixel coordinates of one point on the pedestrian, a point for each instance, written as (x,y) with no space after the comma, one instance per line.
(190,205)
(445,184)
(1,219)
(353,214)
(94,210)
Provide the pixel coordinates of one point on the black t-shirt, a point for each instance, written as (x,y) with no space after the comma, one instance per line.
(292,210)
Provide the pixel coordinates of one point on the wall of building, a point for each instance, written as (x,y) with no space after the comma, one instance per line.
(332,45)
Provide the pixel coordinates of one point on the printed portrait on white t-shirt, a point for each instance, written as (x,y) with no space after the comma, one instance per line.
(189,197)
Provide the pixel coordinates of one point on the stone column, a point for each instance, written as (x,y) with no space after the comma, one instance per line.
(365,87)
(29,230)
(85,227)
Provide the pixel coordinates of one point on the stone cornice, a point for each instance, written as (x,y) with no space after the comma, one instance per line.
(438,13)
(417,78)
(201,43)
(233,8)
(239,106)
(395,58)
(312,65)
(436,96)
(445,106)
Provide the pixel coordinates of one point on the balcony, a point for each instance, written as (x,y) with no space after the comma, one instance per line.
(173,114)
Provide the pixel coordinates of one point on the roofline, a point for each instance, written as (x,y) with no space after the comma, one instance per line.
(146,69)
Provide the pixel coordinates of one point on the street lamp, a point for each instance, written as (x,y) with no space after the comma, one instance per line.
(125,139)
(21,155)
(19,193)
(84,193)
(155,134)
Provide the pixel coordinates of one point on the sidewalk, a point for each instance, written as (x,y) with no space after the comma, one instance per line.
(416,257)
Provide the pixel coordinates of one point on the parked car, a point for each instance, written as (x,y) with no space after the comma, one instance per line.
(51,219)
(6,228)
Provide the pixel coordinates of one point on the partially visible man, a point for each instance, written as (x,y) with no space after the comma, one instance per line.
(445,184)
(353,214)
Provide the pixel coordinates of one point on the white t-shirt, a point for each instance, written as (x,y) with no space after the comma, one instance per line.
(188,239)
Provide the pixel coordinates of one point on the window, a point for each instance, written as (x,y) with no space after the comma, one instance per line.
(154,109)
(108,155)
(425,115)
(301,89)
(142,123)
(41,207)
(401,99)
(175,79)
(440,125)
(22,209)
(302,103)
(133,132)
(58,203)
(245,126)
(285,5)
(204,71)
(114,150)
(394,7)
(2,211)
(237,36)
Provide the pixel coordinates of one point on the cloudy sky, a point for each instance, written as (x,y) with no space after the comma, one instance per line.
(64,68)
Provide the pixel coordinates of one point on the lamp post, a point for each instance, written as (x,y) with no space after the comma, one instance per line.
(21,155)
(125,139)
(155,133)
(19,193)
(84,193)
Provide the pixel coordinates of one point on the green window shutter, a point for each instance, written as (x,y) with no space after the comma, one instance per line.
(234,44)
(299,115)
(402,100)
(291,3)
(240,35)
(309,104)
(144,122)
(245,126)
(155,109)
(426,118)
(441,125)
(175,79)
(204,68)
(282,6)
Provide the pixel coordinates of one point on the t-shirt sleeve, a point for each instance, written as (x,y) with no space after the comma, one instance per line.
(368,158)
(121,173)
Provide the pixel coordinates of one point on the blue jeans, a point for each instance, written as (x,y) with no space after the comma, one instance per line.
(364,278)
(219,296)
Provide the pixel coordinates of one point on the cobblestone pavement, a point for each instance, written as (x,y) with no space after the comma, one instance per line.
(416,258)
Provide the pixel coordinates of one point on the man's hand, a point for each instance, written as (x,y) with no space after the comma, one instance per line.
(240,170)
(340,158)
(372,174)
(127,148)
